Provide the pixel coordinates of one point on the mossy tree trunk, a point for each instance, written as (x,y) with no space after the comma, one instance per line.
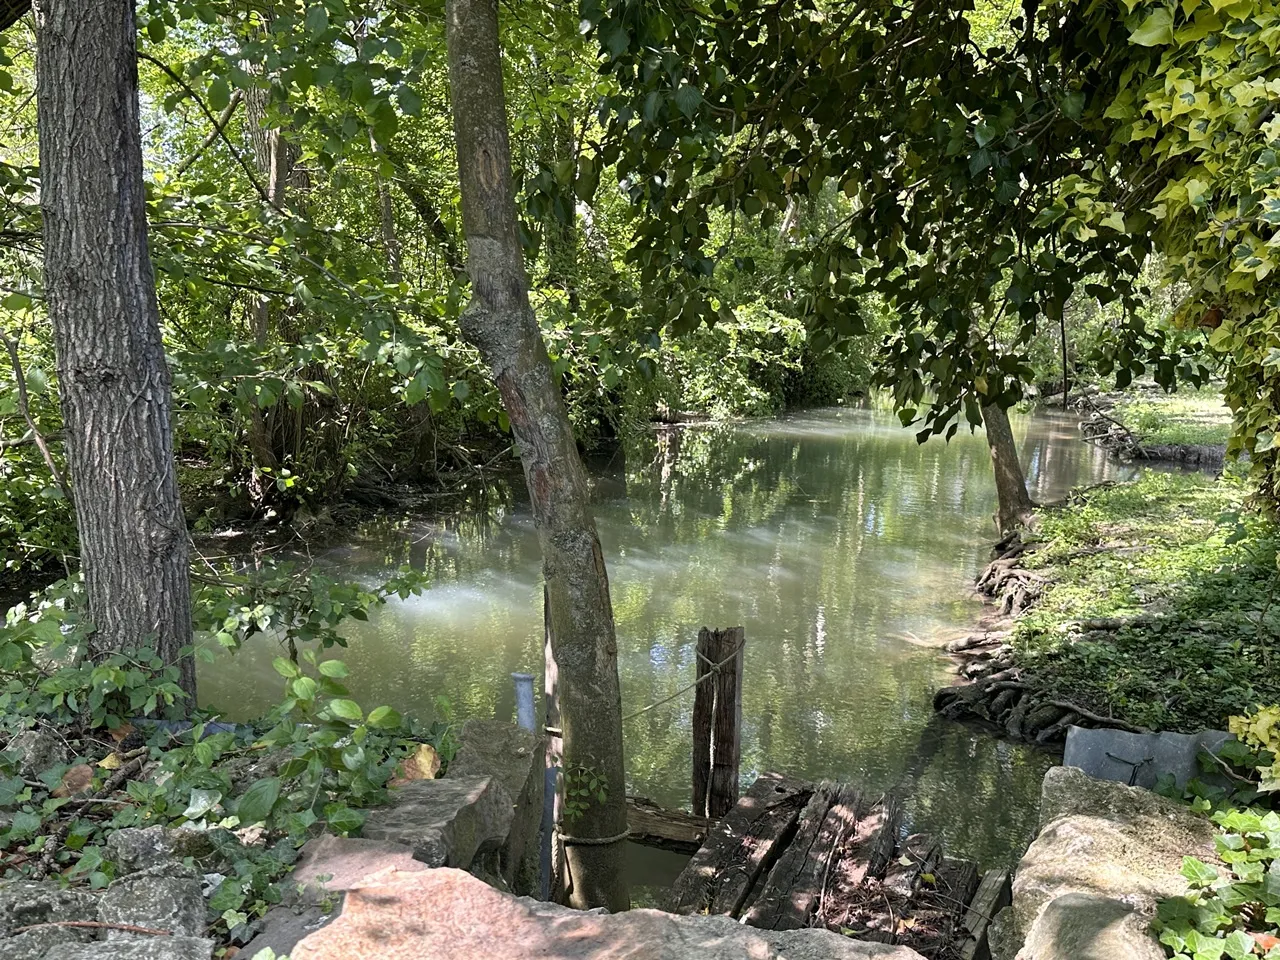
(500,323)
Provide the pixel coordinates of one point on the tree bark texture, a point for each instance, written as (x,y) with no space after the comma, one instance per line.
(1015,504)
(500,323)
(115,385)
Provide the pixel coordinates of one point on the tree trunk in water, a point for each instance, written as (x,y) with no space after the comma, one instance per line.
(500,322)
(1016,504)
(115,386)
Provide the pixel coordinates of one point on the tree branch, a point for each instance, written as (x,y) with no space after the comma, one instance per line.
(219,125)
(24,408)
(218,130)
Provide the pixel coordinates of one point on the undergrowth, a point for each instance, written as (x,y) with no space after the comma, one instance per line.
(1160,607)
(1188,417)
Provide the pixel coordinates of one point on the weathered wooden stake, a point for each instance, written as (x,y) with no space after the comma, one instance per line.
(717,721)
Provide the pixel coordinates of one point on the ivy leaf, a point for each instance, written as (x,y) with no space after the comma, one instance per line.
(1239,945)
(1155,30)
(1198,872)
(342,819)
(255,806)
(201,802)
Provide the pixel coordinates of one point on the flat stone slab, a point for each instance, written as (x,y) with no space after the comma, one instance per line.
(449,914)
(329,865)
(446,823)
(516,759)
(1139,759)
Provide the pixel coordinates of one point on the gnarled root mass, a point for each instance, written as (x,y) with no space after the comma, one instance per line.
(998,693)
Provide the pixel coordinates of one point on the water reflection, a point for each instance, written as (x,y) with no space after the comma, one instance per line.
(842,546)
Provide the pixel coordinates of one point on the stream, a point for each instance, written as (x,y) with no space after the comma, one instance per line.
(846,551)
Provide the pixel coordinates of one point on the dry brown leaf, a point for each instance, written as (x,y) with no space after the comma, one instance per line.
(422,764)
(111,761)
(120,732)
(77,779)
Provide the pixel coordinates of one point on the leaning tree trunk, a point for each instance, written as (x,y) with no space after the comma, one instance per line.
(115,386)
(500,322)
(1016,505)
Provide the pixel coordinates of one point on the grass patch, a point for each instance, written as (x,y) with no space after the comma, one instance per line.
(1188,417)
(1196,579)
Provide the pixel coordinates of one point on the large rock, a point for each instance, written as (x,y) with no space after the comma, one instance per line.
(1104,839)
(159,902)
(448,914)
(24,903)
(152,948)
(446,823)
(143,848)
(329,866)
(515,758)
(38,750)
(1085,926)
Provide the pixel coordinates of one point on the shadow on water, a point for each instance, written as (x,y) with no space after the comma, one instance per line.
(844,548)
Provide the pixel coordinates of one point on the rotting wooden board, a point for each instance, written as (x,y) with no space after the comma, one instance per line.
(868,851)
(919,855)
(787,898)
(655,826)
(742,847)
(995,892)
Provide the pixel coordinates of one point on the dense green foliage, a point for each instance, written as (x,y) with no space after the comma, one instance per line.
(307,765)
(1159,607)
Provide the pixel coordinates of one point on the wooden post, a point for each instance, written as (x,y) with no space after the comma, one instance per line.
(551,886)
(717,721)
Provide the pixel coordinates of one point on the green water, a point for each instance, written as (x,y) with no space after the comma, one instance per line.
(845,550)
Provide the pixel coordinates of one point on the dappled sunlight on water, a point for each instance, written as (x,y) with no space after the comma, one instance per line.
(845,549)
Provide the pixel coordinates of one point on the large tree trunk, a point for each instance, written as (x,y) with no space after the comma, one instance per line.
(1016,505)
(500,322)
(115,386)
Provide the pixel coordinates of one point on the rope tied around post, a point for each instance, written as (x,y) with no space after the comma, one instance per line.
(570,841)
(714,669)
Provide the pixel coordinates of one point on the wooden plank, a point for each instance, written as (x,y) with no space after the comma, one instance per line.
(742,847)
(788,897)
(995,892)
(957,880)
(704,697)
(919,854)
(656,826)
(726,730)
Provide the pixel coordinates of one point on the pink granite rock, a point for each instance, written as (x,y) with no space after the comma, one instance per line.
(331,865)
(446,914)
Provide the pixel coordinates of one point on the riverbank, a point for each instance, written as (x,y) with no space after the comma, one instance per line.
(1145,605)
(1190,427)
